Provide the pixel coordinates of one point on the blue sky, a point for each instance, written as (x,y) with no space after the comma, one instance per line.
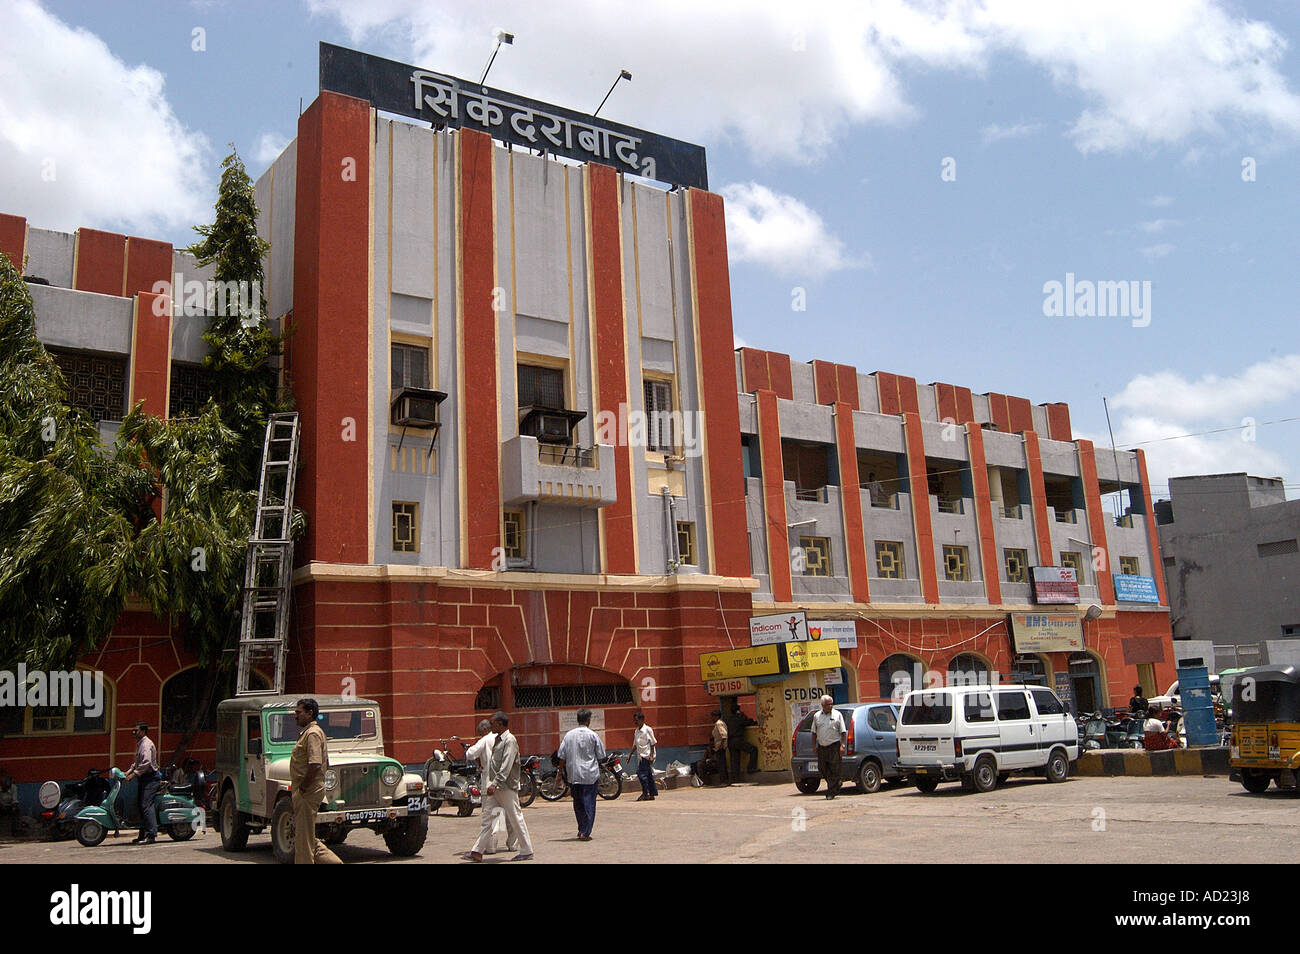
(1105,141)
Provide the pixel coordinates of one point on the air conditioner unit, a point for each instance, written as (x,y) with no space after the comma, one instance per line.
(550,425)
(416,407)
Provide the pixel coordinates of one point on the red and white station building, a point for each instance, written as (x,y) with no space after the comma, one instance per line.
(521,554)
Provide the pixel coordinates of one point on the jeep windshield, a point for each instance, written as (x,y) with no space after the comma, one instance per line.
(340,725)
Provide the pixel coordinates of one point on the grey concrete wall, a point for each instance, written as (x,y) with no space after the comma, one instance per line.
(275,193)
(754,521)
(1220,587)
(801,377)
(868,393)
(82,320)
(50,255)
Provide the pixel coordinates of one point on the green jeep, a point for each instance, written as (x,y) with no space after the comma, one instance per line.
(363,787)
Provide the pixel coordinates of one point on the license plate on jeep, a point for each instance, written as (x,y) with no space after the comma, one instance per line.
(417,803)
(366,815)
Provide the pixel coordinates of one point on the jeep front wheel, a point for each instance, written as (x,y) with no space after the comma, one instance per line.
(282,831)
(407,840)
(232,822)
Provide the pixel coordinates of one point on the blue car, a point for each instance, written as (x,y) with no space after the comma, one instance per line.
(869,756)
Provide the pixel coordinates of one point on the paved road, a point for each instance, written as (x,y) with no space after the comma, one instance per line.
(1115,820)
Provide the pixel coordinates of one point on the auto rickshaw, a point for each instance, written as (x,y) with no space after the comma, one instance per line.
(1266,734)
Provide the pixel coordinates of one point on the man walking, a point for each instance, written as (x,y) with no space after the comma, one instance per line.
(580,754)
(145,768)
(481,751)
(644,744)
(830,735)
(307,765)
(502,791)
(737,745)
(718,746)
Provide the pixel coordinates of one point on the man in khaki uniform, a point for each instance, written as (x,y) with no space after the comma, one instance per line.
(307,767)
(718,746)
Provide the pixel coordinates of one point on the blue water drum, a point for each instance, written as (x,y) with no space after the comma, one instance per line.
(1198,705)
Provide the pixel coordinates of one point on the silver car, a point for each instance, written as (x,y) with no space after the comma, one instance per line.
(869,756)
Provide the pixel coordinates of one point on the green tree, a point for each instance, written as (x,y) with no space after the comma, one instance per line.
(68,510)
(78,532)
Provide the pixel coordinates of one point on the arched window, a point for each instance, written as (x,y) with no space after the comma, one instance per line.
(900,674)
(968,669)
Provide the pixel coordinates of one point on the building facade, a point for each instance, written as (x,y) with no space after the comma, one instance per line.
(608,489)
(1230,552)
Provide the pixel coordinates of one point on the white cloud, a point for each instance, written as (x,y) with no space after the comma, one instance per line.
(268,149)
(780,232)
(1202,426)
(119,156)
(1171,396)
(1153,252)
(1160,201)
(1157,225)
(787,80)
(996,133)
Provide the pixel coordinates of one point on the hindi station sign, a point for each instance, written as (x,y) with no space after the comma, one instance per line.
(448,101)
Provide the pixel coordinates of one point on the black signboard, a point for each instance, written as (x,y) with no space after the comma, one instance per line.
(447,101)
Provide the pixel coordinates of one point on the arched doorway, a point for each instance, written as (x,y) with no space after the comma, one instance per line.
(1086,682)
(899,674)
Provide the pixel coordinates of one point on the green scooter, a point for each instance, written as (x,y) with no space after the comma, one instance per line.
(177,815)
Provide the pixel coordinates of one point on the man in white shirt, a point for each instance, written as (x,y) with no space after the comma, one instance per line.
(830,737)
(644,744)
(145,768)
(502,789)
(481,751)
(580,755)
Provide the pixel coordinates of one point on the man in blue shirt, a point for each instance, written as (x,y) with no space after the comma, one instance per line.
(580,754)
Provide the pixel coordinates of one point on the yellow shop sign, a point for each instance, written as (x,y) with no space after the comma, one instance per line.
(751,661)
(812,655)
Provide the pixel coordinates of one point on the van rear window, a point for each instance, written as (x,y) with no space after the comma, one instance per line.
(928,708)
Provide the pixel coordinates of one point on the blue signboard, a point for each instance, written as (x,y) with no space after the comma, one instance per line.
(1135,589)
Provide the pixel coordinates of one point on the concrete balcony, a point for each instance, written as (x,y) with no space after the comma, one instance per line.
(557,474)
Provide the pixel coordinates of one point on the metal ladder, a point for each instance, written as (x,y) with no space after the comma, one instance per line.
(268,571)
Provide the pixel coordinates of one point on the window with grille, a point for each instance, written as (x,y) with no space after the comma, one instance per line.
(1017,564)
(96,384)
(1277,548)
(1129,566)
(956,563)
(190,389)
(406,527)
(660,434)
(686,543)
(889,560)
(1074,561)
(816,555)
(516,548)
(568,697)
(410,366)
(541,387)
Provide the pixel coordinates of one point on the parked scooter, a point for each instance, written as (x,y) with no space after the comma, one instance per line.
(59,821)
(454,781)
(1094,733)
(177,815)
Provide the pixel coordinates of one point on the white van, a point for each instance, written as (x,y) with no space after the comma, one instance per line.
(981,734)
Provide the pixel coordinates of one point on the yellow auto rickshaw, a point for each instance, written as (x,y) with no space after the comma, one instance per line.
(1266,736)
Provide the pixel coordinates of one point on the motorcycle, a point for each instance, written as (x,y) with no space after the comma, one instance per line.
(454,781)
(1094,732)
(177,815)
(59,821)
(553,785)
(528,769)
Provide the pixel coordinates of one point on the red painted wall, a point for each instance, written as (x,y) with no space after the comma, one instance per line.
(984,514)
(147,261)
(100,262)
(330,321)
(773,467)
(13,238)
(151,357)
(611,354)
(1038,498)
(1096,518)
(846,448)
(920,491)
(726,481)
